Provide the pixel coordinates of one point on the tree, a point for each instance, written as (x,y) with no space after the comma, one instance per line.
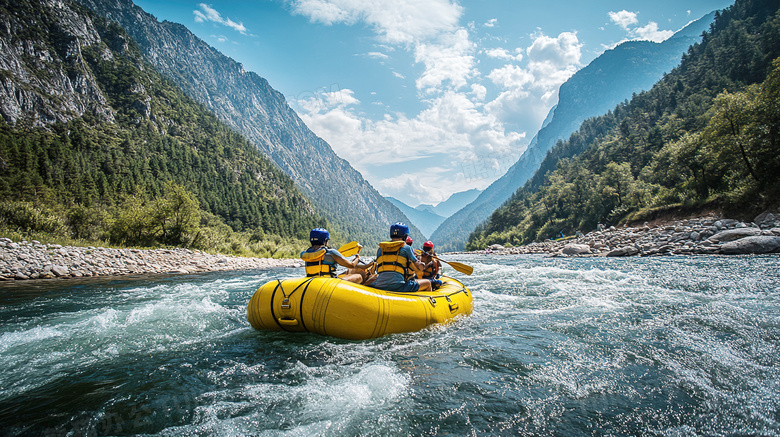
(175,215)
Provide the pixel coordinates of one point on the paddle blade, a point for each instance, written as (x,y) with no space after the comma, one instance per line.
(351,248)
(463,268)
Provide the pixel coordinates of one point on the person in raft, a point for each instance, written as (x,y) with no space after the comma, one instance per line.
(395,263)
(429,260)
(409,241)
(321,260)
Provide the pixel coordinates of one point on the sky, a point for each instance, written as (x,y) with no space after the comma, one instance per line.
(425,98)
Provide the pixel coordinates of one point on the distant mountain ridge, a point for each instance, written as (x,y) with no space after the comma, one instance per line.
(246,101)
(424,219)
(428,217)
(608,80)
(456,202)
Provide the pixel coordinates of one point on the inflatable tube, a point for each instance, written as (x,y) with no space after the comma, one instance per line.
(338,308)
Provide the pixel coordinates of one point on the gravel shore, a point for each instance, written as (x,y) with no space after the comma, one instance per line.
(33,260)
(696,236)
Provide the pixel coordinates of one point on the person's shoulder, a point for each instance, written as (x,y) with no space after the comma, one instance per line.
(333,252)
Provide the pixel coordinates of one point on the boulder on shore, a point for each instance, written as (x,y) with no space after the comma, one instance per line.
(749,245)
(623,251)
(734,234)
(576,249)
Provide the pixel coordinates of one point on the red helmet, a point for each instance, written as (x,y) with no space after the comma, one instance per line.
(428,245)
(409,240)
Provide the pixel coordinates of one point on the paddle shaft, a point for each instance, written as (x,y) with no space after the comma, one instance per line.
(460,267)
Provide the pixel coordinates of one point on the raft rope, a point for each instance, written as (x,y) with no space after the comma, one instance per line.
(286,298)
(432,299)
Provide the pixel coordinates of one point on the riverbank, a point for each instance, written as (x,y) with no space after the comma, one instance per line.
(33,260)
(695,236)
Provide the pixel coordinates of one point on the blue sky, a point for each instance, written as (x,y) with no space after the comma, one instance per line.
(425,98)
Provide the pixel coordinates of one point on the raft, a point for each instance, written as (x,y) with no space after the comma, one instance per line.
(343,309)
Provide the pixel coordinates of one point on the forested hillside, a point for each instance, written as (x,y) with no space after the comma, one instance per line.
(96,146)
(248,103)
(705,137)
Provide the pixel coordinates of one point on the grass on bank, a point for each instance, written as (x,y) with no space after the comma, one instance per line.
(142,225)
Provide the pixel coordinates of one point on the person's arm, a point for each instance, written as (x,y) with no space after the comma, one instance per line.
(340,260)
(414,263)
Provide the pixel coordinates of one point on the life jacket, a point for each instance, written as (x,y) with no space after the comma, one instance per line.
(315,264)
(431,267)
(391,259)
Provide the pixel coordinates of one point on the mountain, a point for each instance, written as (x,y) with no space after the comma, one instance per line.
(425,208)
(608,80)
(704,138)
(425,219)
(246,102)
(456,202)
(95,144)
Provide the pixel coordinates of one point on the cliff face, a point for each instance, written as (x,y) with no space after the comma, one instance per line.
(596,89)
(249,104)
(41,83)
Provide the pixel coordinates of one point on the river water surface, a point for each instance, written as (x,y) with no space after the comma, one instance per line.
(671,346)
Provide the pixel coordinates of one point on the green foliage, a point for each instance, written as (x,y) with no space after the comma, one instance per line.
(707,135)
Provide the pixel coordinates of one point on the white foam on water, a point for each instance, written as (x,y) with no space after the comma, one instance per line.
(326,401)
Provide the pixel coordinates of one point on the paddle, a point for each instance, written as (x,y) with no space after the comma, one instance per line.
(463,268)
(349,249)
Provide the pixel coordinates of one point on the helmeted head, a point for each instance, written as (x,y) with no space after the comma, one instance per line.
(428,246)
(319,236)
(409,241)
(399,230)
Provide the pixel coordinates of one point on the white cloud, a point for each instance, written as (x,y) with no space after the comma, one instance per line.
(491,22)
(629,22)
(527,94)
(501,53)
(623,18)
(561,52)
(457,132)
(450,59)
(652,33)
(452,131)
(511,76)
(377,55)
(395,21)
(479,91)
(208,14)
(428,28)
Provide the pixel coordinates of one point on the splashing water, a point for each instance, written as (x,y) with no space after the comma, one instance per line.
(591,346)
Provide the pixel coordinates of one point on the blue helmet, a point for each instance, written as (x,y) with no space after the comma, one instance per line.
(319,236)
(399,229)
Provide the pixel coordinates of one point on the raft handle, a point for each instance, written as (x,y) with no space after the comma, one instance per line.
(288,322)
(453,305)
(433,300)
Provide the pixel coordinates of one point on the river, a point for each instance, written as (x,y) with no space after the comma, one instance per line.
(670,346)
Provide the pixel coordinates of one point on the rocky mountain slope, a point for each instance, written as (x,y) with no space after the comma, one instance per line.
(96,145)
(247,102)
(596,89)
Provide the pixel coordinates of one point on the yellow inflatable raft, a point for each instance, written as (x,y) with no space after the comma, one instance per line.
(338,308)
